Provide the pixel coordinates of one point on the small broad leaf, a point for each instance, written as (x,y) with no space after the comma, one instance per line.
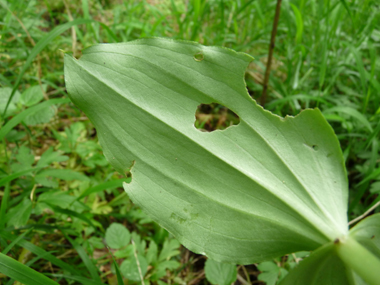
(32,95)
(70,138)
(266,187)
(50,156)
(151,254)
(41,117)
(270,272)
(5,93)
(160,270)
(117,236)
(46,181)
(269,277)
(220,273)
(64,174)
(169,249)
(133,270)
(168,265)
(88,151)
(57,198)
(14,135)
(96,242)
(18,216)
(139,244)
(125,252)
(25,157)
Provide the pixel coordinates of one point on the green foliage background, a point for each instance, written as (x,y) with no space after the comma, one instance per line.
(61,202)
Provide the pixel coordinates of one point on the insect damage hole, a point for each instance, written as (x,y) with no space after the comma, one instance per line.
(214,116)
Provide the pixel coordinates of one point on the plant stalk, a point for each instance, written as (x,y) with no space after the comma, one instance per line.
(271,48)
(357,257)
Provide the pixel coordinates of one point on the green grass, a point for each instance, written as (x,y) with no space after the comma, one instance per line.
(58,193)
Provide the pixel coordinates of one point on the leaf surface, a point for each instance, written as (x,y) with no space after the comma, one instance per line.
(367,233)
(220,273)
(22,273)
(266,187)
(132,270)
(322,267)
(117,236)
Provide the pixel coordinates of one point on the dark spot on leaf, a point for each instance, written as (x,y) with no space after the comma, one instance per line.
(336,241)
(198,56)
(177,218)
(315,147)
(372,237)
(214,116)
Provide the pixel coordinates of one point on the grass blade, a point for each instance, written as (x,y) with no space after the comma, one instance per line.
(4,205)
(118,275)
(102,186)
(13,243)
(41,252)
(301,97)
(369,177)
(72,214)
(22,273)
(38,48)
(352,113)
(13,176)
(86,260)
(20,117)
(374,134)
(299,23)
(360,67)
(344,3)
(80,279)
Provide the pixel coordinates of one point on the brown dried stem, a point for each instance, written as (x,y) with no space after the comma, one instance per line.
(271,48)
(73,33)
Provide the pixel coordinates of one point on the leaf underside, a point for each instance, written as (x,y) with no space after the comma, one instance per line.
(266,187)
(323,266)
(367,233)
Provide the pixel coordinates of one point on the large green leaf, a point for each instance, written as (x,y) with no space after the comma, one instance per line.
(367,233)
(254,191)
(322,267)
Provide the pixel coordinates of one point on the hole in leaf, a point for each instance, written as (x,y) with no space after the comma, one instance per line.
(214,116)
(198,56)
